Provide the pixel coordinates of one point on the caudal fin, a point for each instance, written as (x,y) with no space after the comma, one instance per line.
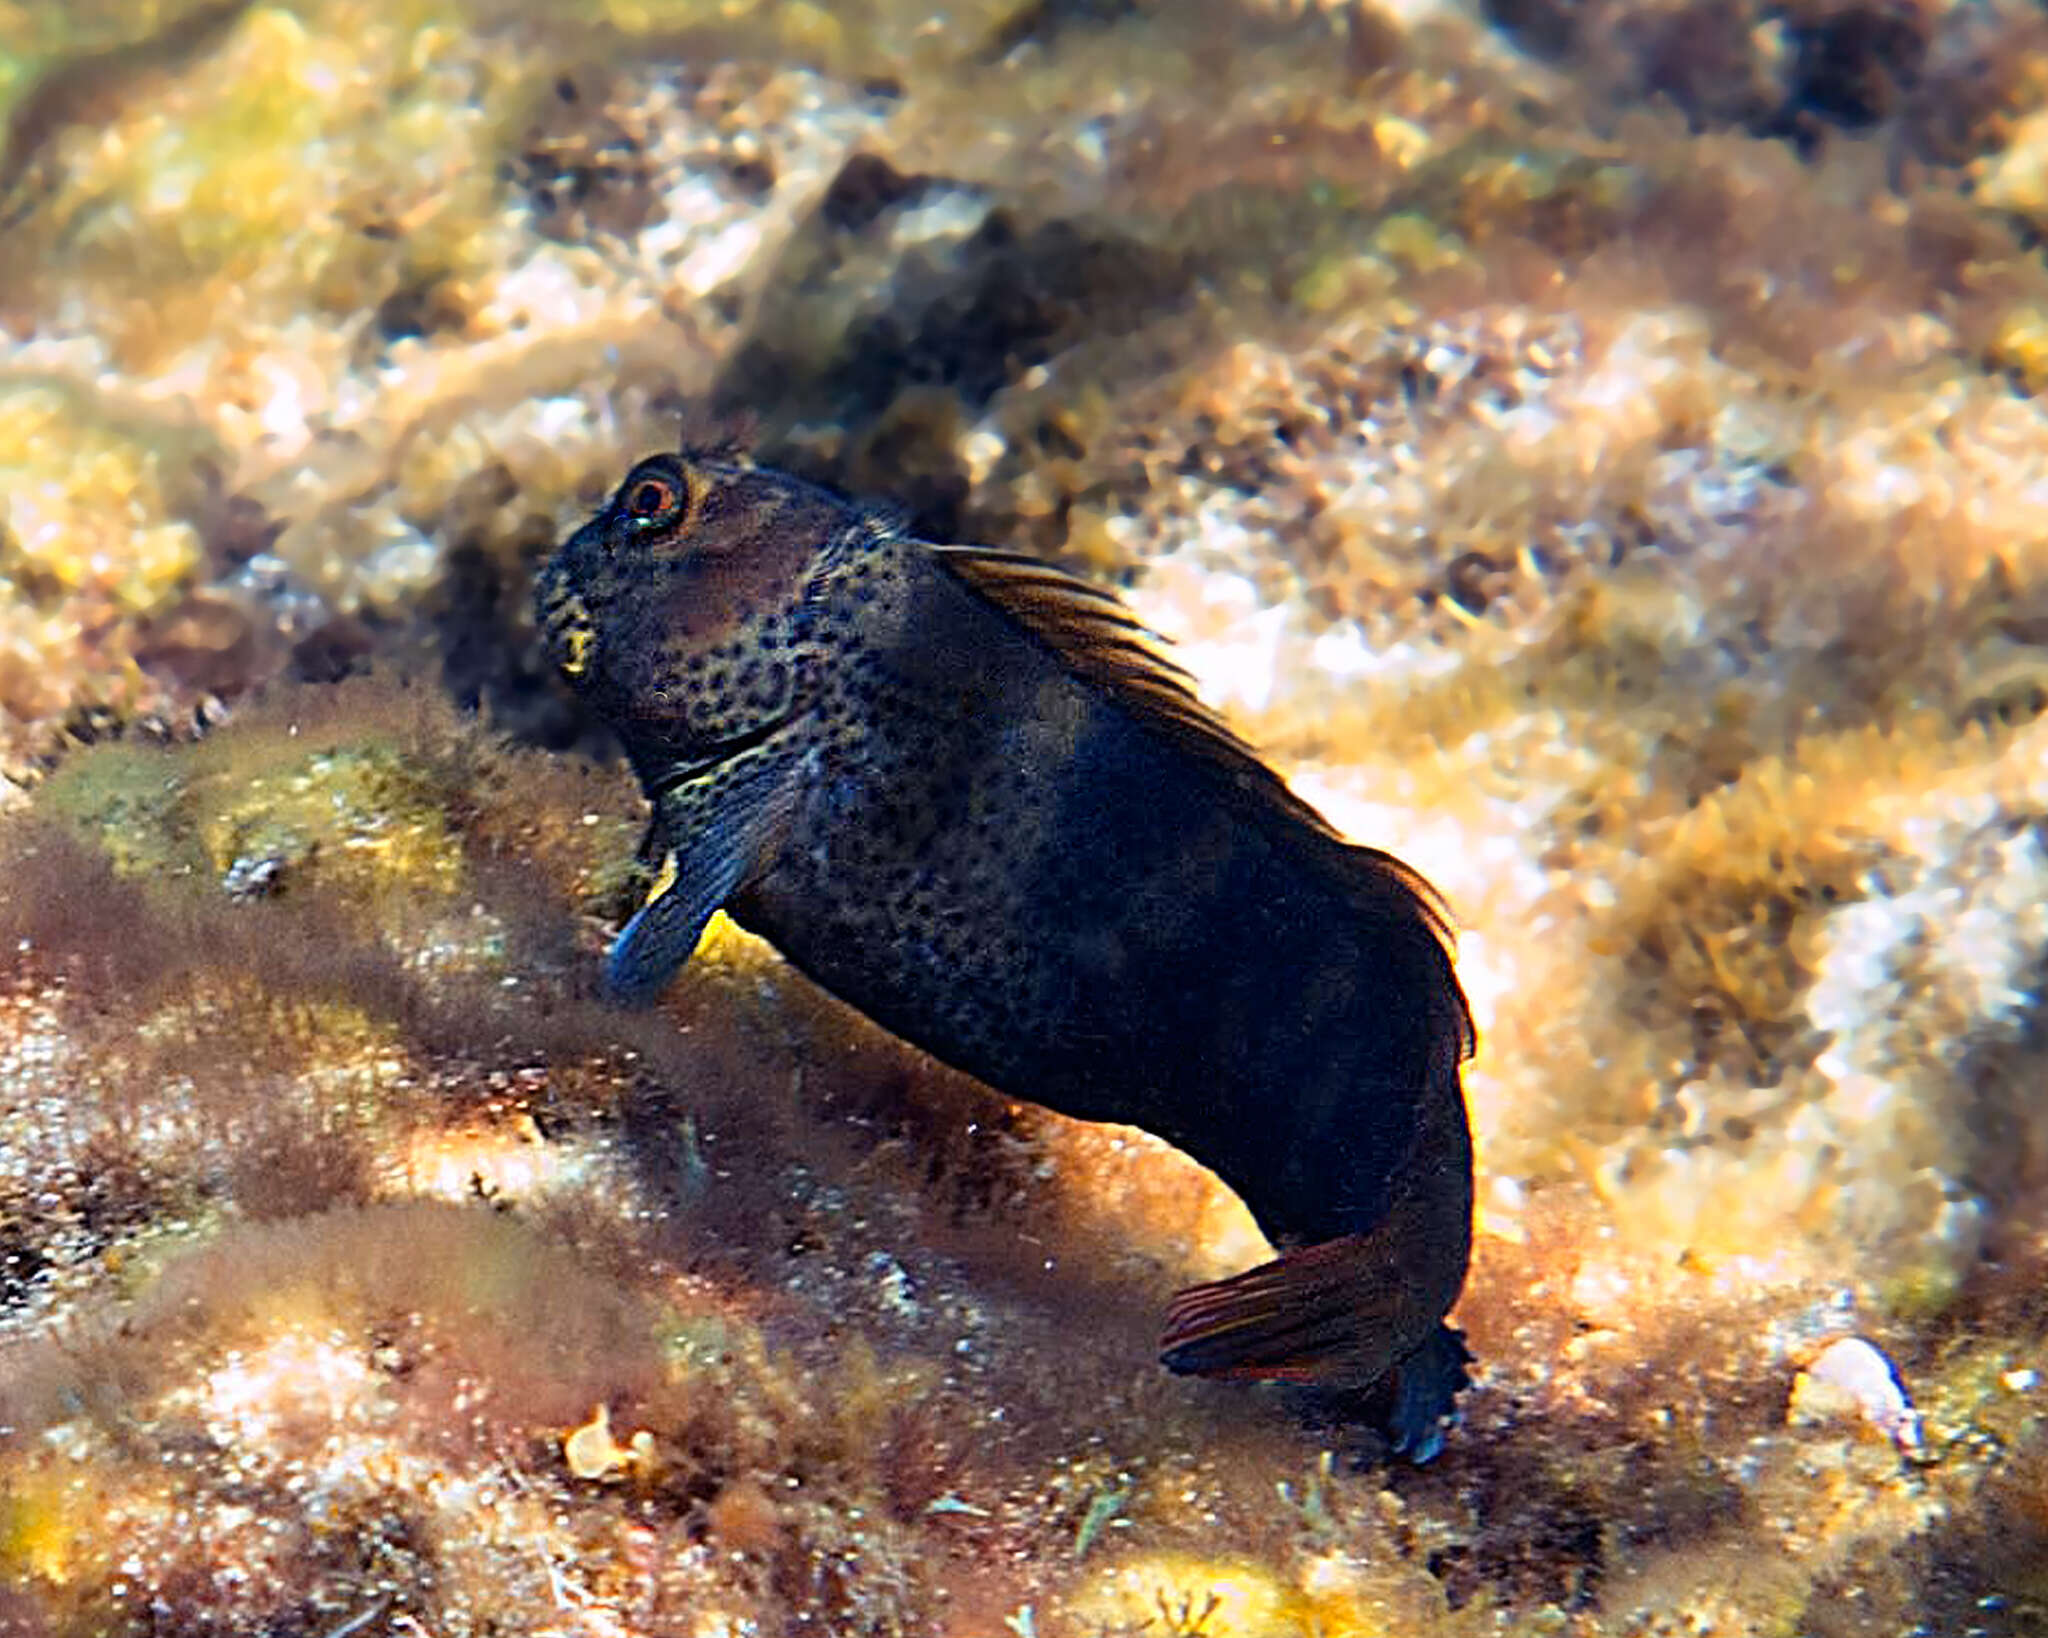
(1333,1316)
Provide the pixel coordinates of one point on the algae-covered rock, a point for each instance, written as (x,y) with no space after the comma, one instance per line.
(1594,450)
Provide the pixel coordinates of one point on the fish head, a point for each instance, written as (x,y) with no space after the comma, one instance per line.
(685,610)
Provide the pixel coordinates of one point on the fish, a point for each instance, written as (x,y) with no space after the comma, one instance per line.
(971,795)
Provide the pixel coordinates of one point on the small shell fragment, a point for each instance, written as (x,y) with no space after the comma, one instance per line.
(592,1453)
(1851,1381)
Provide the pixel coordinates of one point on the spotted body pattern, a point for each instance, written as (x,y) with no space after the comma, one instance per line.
(963,792)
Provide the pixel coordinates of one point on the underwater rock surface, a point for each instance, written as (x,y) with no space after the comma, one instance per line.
(1596,451)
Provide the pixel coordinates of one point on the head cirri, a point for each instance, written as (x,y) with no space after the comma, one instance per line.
(684,610)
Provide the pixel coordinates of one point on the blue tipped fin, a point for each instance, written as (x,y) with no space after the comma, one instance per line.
(1425,1395)
(713,832)
(1336,1316)
(652,947)
(729,828)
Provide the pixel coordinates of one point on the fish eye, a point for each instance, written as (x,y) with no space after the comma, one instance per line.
(650,498)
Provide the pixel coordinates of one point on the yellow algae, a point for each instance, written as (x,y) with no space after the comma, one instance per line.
(1343,283)
(86,503)
(39,1515)
(810,29)
(1401,140)
(280,159)
(1417,243)
(229,181)
(129,799)
(648,16)
(360,819)
(2021,346)
(797,24)
(1176,1591)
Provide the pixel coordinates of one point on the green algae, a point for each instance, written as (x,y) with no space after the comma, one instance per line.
(244,184)
(352,819)
(291,164)
(361,816)
(129,798)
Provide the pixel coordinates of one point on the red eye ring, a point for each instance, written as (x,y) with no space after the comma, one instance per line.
(650,498)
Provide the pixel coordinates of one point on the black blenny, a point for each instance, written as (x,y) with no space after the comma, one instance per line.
(960,790)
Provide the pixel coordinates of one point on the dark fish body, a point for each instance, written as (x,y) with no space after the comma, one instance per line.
(957,789)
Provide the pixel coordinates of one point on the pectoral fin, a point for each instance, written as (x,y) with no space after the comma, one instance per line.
(652,947)
(726,830)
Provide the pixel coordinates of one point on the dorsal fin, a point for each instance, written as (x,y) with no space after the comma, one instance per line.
(1101,641)
(711,437)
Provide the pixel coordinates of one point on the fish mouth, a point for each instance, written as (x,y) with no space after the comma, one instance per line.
(674,775)
(567,630)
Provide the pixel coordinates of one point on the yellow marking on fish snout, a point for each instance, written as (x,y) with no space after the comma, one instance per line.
(577,661)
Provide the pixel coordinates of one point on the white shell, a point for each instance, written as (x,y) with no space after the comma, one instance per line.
(1851,1381)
